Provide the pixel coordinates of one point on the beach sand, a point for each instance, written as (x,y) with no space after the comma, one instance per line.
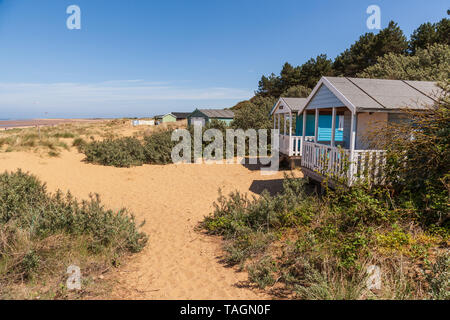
(178,262)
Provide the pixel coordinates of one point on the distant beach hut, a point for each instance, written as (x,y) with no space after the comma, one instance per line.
(168,117)
(143,122)
(202,116)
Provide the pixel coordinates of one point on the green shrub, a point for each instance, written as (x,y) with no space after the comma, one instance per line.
(262,272)
(32,220)
(123,152)
(79,143)
(439,278)
(64,134)
(325,242)
(158,148)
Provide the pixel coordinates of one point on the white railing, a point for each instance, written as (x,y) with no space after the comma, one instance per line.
(336,163)
(368,166)
(292,146)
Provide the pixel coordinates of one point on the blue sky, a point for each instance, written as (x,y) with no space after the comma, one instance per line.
(140,58)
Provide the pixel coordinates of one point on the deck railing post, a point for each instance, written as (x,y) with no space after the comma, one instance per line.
(279,119)
(333,127)
(316,126)
(303,132)
(352,165)
(290,133)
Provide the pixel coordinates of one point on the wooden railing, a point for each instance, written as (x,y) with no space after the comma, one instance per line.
(339,164)
(292,146)
(368,166)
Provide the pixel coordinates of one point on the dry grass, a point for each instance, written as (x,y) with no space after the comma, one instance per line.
(51,140)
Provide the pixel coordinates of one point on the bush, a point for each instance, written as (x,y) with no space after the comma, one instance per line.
(418,161)
(123,152)
(79,143)
(320,247)
(262,272)
(41,232)
(158,148)
(439,278)
(128,152)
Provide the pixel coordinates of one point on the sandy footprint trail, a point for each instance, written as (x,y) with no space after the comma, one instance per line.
(178,262)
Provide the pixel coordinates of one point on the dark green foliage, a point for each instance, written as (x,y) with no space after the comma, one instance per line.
(356,58)
(314,69)
(79,143)
(429,64)
(158,148)
(297,92)
(369,48)
(418,160)
(123,152)
(254,114)
(430,33)
(305,75)
(128,152)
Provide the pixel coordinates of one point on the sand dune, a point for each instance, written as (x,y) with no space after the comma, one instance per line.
(178,263)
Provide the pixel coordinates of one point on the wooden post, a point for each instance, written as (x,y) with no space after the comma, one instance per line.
(352,147)
(290,133)
(333,127)
(316,126)
(274,122)
(303,131)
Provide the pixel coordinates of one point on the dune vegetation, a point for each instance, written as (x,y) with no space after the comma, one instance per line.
(42,233)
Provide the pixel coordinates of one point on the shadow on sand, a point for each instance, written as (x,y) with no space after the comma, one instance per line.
(272,186)
(258,166)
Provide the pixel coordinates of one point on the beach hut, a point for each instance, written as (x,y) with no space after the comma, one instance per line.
(334,122)
(288,118)
(181,115)
(202,116)
(143,122)
(168,117)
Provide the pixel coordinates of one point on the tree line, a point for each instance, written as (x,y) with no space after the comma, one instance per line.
(386,55)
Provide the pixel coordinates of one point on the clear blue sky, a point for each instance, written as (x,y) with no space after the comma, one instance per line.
(139,58)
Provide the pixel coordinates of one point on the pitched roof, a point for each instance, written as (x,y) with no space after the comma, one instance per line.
(181,115)
(163,115)
(217,113)
(379,94)
(295,104)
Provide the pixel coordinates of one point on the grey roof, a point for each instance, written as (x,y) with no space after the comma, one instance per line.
(181,115)
(217,113)
(380,94)
(296,104)
(163,115)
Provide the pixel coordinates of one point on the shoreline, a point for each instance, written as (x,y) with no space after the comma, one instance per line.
(26,123)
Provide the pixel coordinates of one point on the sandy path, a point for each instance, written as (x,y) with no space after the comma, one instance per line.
(178,262)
